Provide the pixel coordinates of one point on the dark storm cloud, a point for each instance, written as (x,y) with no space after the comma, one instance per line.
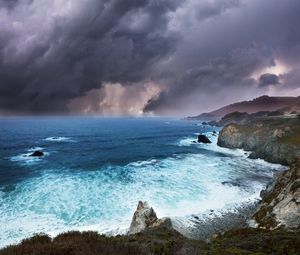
(268,79)
(207,81)
(54,51)
(219,58)
(196,55)
(208,9)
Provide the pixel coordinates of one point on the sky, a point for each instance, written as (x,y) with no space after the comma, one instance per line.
(145,57)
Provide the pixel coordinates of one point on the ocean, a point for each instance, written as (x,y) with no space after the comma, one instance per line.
(95,170)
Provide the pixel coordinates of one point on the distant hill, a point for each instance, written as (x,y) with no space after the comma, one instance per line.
(263,103)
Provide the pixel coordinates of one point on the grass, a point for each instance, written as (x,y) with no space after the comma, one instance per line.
(161,241)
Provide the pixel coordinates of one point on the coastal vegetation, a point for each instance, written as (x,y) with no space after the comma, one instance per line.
(162,241)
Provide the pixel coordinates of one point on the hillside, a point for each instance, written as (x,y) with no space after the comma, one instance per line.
(263,103)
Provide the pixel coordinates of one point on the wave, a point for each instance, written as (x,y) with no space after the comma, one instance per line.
(59,139)
(104,200)
(26,159)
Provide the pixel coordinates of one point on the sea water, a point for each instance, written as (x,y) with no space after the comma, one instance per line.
(95,170)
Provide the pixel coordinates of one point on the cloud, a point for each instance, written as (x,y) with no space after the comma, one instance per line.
(52,51)
(114,100)
(59,56)
(215,63)
(268,79)
(208,9)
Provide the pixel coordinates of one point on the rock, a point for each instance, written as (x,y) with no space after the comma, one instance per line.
(203,139)
(230,183)
(235,117)
(37,154)
(274,140)
(214,123)
(278,133)
(145,217)
(280,204)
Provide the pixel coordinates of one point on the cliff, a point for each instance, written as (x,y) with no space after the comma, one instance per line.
(280,204)
(276,140)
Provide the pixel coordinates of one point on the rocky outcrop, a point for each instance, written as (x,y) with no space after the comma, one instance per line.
(280,204)
(203,139)
(145,217)
(275,140)
(37,154)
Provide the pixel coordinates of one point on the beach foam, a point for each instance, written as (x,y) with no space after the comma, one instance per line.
(105,200)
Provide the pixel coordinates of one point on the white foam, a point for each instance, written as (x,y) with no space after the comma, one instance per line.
(59,139)
(26,159)
(105,200)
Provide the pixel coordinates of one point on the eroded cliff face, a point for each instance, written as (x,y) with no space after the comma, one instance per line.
(280,204)
(275,140)
(278,141)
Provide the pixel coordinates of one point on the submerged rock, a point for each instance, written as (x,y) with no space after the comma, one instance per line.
(145,217)
(231,183)
(203,139)
(37,154)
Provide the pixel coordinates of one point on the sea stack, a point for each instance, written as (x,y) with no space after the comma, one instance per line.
(145,217)
(203,139)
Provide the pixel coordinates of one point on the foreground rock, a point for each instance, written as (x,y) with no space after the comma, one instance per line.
(275,140)
(145,217)
(281,201)
(203,139)
(37,154)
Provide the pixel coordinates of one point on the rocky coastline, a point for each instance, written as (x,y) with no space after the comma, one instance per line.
(276,140)
(275,222)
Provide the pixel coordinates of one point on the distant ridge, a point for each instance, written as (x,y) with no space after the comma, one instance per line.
(263,103)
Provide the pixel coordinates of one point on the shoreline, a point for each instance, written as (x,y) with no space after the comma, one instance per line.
(205,227)
(215,223)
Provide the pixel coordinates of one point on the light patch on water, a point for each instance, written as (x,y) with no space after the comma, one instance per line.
(59,139)
(105,200)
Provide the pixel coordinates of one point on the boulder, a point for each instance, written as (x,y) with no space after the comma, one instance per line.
(203,139)
(37,154)
(145,217)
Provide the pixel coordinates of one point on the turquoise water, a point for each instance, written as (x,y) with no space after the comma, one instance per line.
(95,170)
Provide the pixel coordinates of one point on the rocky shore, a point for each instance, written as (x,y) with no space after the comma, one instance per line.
(280,206)
(276,140)
(275,221)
